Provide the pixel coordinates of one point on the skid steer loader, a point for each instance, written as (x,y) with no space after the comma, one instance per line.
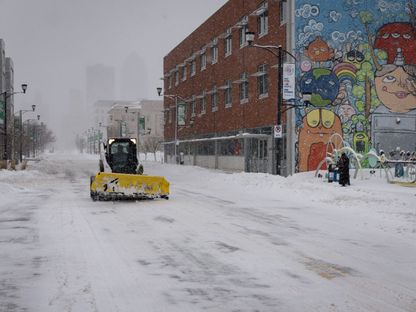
(121,176)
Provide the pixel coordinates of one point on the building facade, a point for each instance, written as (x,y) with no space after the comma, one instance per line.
(355,79)
(2,89)
(100,85)
(140,119)
(220,95)
(357,62)
(9,87)
(6,103)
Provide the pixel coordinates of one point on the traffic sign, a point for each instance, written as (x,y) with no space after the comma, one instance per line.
(278,131)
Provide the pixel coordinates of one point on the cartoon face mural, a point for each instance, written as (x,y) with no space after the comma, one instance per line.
(393,36)
(396,88)
(354,57)
(362,65)
(322,84)
(319,51)
(318,127)
(346,111)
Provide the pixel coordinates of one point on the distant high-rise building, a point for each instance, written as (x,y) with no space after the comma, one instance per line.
(100,84)
(133,78)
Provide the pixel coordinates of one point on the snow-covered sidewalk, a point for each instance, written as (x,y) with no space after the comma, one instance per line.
(222,242)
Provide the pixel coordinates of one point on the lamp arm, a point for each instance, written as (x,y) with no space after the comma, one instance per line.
(7,95)
(174,96)
(271,48)
(268,48)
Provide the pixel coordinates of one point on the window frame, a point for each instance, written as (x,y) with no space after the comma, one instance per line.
(184,73)
(228,94)
(176,77)
(242,31)
(263,20)
(203,59)
(244,88)
(193,67)
(214,52)
(214,99)
(228,43)
(203,105)
(263,81)
(193,106)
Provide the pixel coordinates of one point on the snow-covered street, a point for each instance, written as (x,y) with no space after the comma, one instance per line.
(222,242)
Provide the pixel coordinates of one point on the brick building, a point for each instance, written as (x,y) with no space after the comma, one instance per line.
(225,92)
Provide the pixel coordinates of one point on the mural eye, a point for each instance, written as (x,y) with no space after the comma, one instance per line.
(360,58)
(407,36)
(328,118)
(385,36)
(323,49)
(327,124)
(395,35)
(313,118)
(389,79)
(308,81)
(350,58)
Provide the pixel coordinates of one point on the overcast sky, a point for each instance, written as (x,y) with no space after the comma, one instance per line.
(52,41)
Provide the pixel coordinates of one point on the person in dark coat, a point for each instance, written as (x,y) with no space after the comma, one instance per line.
(344,169)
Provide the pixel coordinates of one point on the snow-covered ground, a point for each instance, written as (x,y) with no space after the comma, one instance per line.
(222,242)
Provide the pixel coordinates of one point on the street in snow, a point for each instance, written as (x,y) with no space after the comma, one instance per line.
(222,242)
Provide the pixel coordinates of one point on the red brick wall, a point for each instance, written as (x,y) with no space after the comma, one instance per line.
(257,112)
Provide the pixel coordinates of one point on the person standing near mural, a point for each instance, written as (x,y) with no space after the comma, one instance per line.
(344,170)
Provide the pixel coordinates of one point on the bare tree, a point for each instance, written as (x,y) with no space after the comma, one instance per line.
(151,144)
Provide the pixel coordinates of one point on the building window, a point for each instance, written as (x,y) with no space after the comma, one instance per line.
(203,58)
(243,88)
(170,81)
(176,77)
(243,31)
(228,43)
(262,20)
(184,73)
(169,116)
(263,80)
(283,12)
(193,67)
(228,94)
(214,52)
(193,106)
(214,99)
(202,104)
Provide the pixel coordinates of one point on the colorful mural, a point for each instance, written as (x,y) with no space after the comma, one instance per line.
(356,76)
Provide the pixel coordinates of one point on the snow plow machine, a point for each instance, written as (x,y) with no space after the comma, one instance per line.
(121,176)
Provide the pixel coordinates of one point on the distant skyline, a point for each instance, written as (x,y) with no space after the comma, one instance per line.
(52,42)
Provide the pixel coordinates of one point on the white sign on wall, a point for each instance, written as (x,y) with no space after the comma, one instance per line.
(278,131)
(288,81)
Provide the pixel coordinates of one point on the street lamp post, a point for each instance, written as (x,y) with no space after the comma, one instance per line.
(21,112)
(175,97)
(272,49)
(6,95)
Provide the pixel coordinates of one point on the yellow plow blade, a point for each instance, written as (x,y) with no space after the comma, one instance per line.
(116,186)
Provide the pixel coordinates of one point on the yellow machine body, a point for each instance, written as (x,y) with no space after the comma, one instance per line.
(118,186)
